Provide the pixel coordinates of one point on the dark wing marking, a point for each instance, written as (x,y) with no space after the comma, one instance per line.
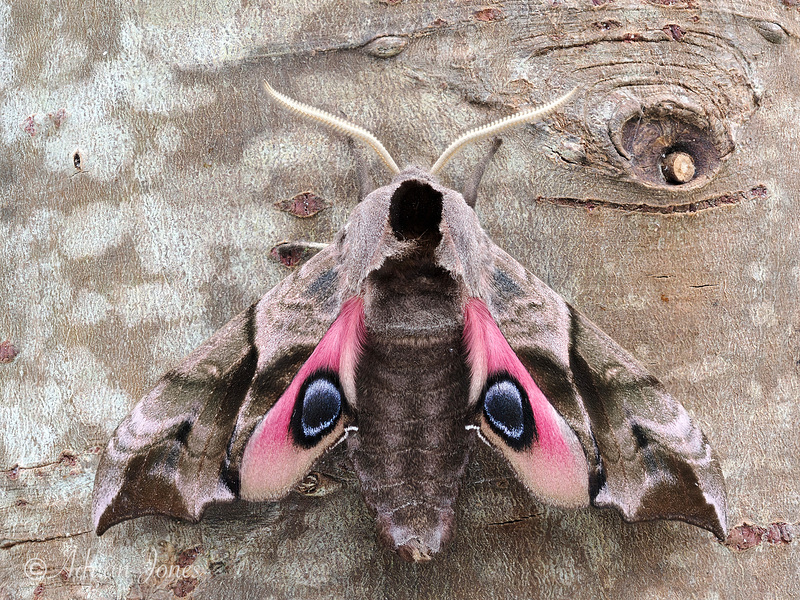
(172,454)
(658,464)
(646,458)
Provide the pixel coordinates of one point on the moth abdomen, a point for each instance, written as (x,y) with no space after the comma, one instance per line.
(411,448)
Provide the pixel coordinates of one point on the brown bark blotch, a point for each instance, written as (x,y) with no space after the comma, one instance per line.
(188,556)
(674,3)
(52,120)
(745,536)
(29,125)
(488,15)
(288,254)
(303,205)
(607,25)
(68,458)
(8,352)
(674,31)
(58,117)
(779,532)
(184,587)
(291,254)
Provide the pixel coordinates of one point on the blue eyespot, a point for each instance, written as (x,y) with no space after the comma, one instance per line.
(503,406)
(317,409)
(508,412)
(322,404)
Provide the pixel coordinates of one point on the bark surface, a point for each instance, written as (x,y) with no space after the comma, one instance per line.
(140,167)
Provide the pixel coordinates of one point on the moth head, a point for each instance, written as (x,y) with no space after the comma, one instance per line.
(420,220)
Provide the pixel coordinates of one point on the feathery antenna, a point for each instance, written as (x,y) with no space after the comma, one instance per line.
(335,123)
(480,133)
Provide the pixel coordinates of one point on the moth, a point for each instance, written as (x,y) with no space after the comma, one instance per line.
(411,338)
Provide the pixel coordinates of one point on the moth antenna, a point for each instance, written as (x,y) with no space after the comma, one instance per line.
(335,123)
(490,129)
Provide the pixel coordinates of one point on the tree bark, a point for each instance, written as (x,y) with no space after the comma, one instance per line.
(141,163)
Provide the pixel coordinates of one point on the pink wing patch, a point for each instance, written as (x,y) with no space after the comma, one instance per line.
(554,467)
(272,462)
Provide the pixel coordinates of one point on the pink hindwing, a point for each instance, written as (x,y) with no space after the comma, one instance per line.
(552,464)
(273,459)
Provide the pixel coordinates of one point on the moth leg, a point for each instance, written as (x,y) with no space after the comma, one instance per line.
(471,187)
(366,185)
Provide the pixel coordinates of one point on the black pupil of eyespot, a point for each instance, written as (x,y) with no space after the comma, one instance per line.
(322,404)
(503,407)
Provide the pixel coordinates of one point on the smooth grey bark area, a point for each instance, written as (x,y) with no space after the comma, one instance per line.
(140,164)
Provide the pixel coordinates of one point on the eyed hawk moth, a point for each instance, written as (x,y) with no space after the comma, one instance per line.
(411,336)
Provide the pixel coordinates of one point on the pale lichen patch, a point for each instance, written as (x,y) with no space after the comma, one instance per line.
(6,57)
(155,302)
(90,308)
(92,229)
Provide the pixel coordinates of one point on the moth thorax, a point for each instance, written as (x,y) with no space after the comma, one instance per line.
(416,211)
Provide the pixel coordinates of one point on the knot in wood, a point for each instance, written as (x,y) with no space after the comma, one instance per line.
(678,167)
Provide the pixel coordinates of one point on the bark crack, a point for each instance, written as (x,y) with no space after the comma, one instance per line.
(66,457)
(517,520)
(758,192)
(8,543)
